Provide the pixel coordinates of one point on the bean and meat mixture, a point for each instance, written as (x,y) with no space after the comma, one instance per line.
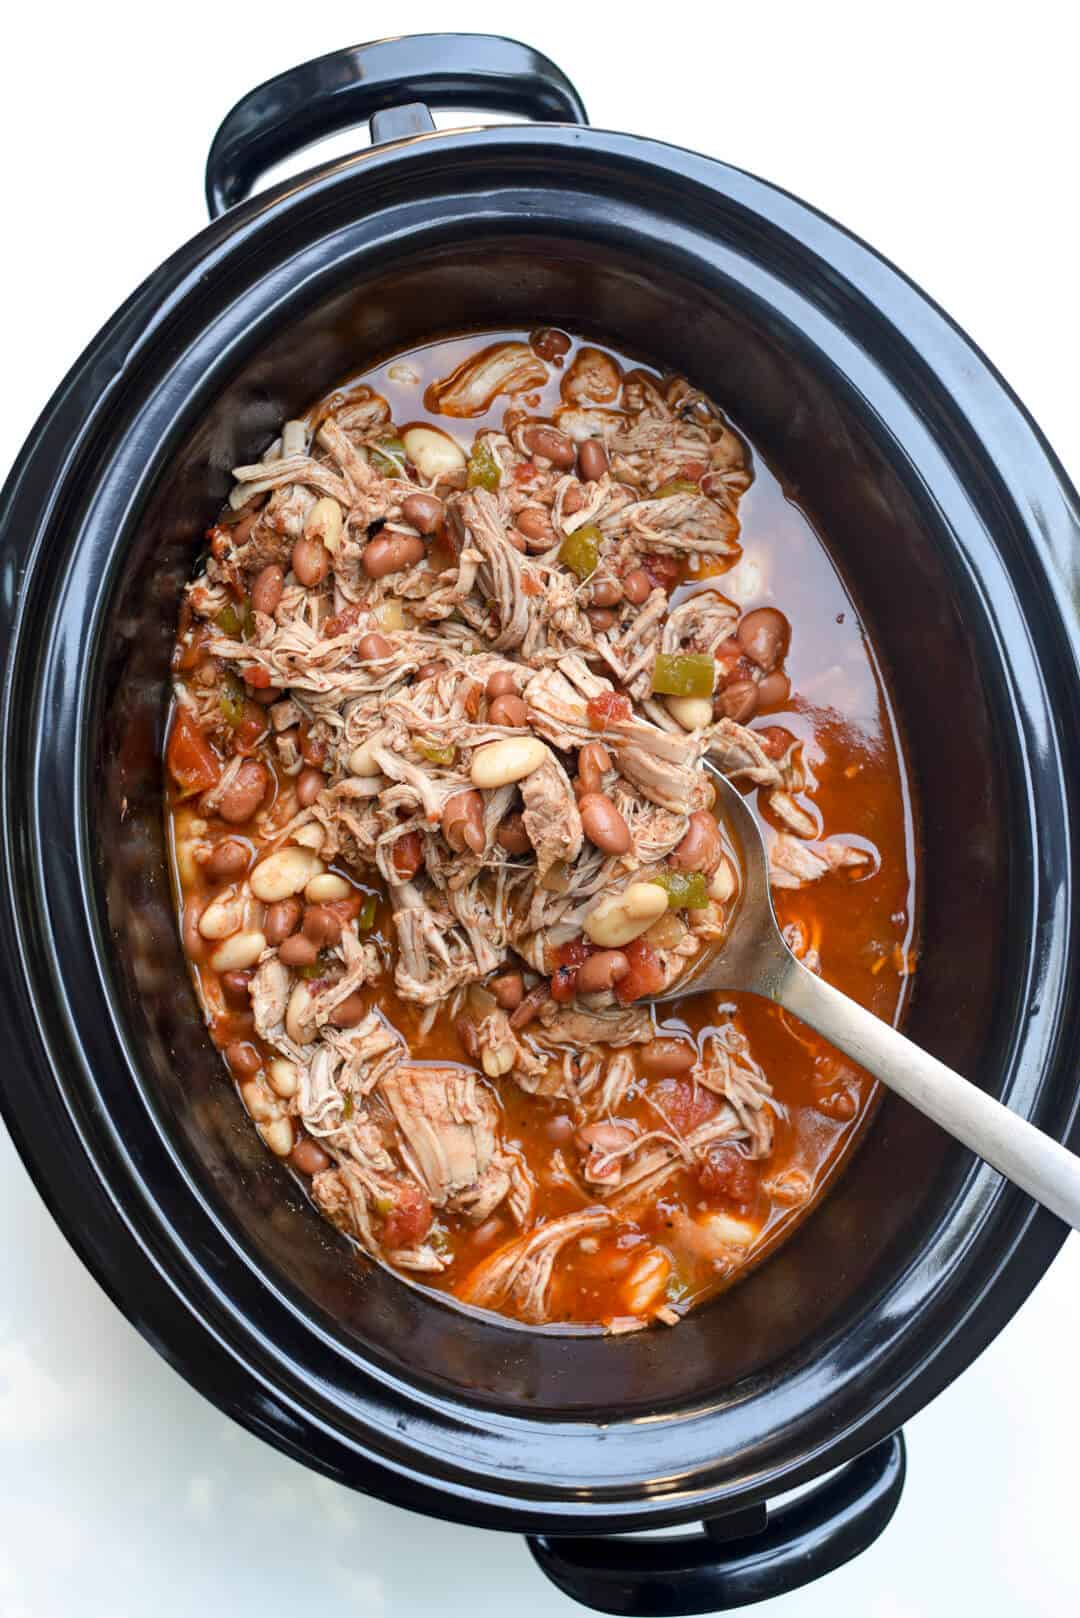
(443,685)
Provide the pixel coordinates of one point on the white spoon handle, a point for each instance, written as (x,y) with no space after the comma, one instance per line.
(1041,1166)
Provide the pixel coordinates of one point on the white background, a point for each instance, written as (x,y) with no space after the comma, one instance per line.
(946,135)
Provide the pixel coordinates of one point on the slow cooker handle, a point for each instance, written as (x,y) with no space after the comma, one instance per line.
(480,71)
(712,1572)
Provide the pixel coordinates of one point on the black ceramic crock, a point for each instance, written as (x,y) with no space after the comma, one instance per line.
(958,530)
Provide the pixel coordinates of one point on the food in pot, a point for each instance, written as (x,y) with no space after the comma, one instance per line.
(462,639)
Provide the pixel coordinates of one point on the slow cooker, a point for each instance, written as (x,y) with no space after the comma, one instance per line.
(959,531)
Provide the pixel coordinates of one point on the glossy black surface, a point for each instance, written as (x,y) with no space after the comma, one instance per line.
(348,87)
(697,1573)
(960,534)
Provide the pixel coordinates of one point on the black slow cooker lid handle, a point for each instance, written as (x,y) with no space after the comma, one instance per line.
(737,1560)
(405,76)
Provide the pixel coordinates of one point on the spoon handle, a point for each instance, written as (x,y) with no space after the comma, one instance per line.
(1041,1166)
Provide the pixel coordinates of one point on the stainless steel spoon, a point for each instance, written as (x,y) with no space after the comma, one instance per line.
(755,958)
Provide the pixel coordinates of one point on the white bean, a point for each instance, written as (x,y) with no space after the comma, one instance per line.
(325,888)
(281,875)
(498,1061)
(284,1077)
(278,1135)
(433,452)
(646,1281)
(259,1102)
(512,759)
(723,884)
(692,713)
(620,917)
(721,1230)
(324,523)
(298,1025)
(239,951)
(223,916)
(361,761)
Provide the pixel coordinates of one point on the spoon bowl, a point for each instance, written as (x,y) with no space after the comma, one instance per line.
(755,959)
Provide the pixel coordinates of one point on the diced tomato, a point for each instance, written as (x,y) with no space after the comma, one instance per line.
(609,708)
(525,473)
(727,1173)
(646,975)
(531,586)
(573,952)
(408,855)
(256,676)
(341,621)
(192,761)
(251,729)
(662,571)
(692,471)
(774,739)
(409,1220)
(564,983)
(685,1104)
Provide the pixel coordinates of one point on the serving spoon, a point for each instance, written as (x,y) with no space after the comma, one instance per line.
(755,958)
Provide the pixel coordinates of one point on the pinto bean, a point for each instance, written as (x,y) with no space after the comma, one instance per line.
(549,343)
(530,1006)
(243,1059)
(391,553)
(424,511)
(408,855)
(774,690)
(321,926)
(592,460)
(509,710)
(463,822)
(267,588)
(234,987)
(349,1012)
(196,947)
(513,837)
(282,919)
(550,443)
(601,618)
(503,683)
(667,1058)
(228,860)
(240,800)
(738,701)
(603,824)
(508,989)
(309,783)
(308,1157)
(637,586)
(593,763)
(606,593)
(573,499)
(764,635)
(266,696)
(430,671)
(298,950)
(535,523)
(602,971)
(310,561)
(700,849)
(370,648)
